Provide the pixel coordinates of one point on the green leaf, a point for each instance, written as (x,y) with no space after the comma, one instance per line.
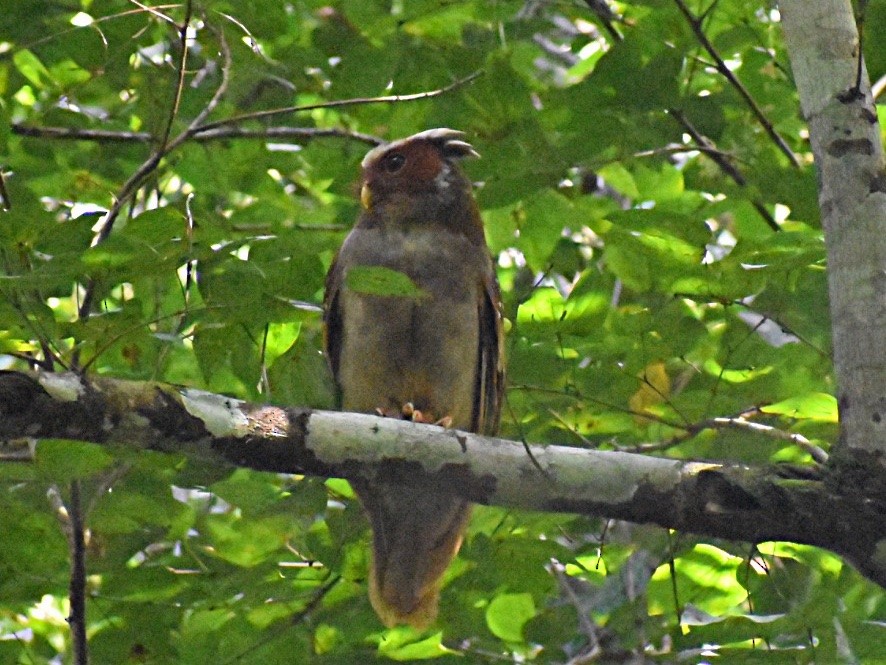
(813,406)
(301,375)
(250,491)
(62,460)
(30,66)
(247,542)
(401,644)
(380,281)
(508,613)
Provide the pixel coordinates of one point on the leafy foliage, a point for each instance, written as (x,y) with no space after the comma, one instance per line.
(662,264)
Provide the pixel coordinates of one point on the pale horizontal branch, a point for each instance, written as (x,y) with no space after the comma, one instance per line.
(732,501)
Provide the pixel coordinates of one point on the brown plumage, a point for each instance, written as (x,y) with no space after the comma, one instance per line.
(437,356)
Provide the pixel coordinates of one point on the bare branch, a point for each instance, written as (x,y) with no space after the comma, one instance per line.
(70,517)
(805,505)
(136,180)
(304,133)
(182,70)
(313,603)
(222,133)
(339,103)
(696,24)
(721,160)
(77,134)
(741,422)
(96,21)
(155,11)
(220,91)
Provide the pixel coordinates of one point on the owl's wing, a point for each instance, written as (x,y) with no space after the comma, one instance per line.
(489,389)
(332,330)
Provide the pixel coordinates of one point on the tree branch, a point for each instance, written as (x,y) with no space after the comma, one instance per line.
(337,103)
(721,160)
(843,513)
(222,133)
(137,179)
(695,24)
(77,582)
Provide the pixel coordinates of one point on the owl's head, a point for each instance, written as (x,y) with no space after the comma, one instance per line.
(418,171)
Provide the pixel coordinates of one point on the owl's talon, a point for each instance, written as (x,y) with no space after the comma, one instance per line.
(415,415)
(445,421)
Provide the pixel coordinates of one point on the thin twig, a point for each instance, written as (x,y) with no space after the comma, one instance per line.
(135,181)
(222,133)
(859,65)
(388,99)
(742,422)
(77,583)
(544,472)
(182,71)
(95,21)
(689,430)
(294,620)
(696,24)
(158,14)
(680,148)
(110,341)
(672,568)
(107,480)
(307,133)
(572,430)
(219,93)
(586,624)
(77,134)
(798,440)
(721,160)
(34,323)
(606,16)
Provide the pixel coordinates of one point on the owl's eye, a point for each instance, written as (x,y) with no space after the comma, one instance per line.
(394,162)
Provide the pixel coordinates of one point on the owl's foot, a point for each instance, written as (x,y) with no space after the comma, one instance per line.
(411,413)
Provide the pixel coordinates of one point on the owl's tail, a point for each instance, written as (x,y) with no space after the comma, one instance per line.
(415,536)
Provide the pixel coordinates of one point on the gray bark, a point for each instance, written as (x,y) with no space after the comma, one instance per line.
(842,509)
(835,97)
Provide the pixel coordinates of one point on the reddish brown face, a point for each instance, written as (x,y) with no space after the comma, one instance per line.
(410,168)
(419,164)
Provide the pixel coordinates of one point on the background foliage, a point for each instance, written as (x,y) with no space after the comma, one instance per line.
(662,264)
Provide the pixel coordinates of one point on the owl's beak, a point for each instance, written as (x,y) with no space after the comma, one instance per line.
(365,196)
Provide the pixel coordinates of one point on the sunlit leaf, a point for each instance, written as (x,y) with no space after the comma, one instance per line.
(507,613)
(814,406)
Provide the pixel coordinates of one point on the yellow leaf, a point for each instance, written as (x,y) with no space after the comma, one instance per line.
(655,387)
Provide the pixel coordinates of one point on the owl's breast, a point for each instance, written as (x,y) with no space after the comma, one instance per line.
(421,349)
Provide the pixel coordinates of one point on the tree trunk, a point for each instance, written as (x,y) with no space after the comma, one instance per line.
(835,97)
